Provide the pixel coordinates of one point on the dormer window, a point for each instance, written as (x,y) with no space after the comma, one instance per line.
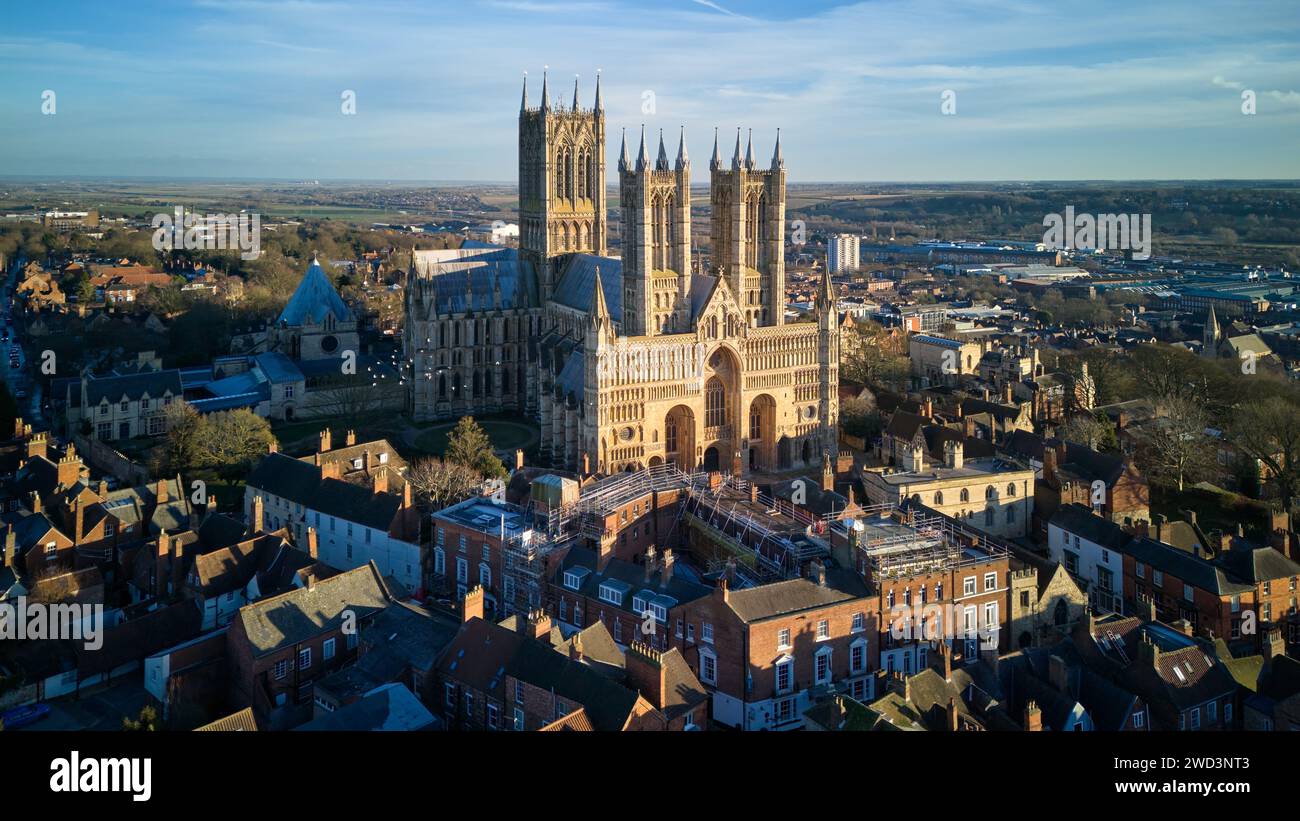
(612,593)
(574,577)
(126,404)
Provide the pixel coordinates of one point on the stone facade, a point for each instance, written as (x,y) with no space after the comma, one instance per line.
(637,360)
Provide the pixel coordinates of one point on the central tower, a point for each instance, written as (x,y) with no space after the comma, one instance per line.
(561,181)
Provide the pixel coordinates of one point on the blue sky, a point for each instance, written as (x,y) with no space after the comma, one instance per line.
(1044,90)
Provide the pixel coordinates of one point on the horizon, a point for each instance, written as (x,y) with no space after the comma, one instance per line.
(857,89)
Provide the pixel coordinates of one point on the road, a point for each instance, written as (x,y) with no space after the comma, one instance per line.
(19,380)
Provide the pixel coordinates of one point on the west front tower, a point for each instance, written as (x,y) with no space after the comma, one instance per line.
(748,228)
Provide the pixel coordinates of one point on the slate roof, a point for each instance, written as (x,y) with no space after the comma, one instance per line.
(483,269)
(680,588)
(608,703)
(1257,564)
(1079,520)
(791,596)
(314,299)
(133,386)
(300,482)
(1191,569)
(391,707)
(305,612)
(578,282)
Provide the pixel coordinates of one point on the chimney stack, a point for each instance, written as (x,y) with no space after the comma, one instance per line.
(379,481)
(35,502)
(351,438)
(1033,717)
(586,465)
(255,522)
(160,492)
(273,447)
(324,444)
(539,623)
(78,519)
(160,566)
(38,445)
(472,606)
(313,543)
(828,474)
(649,563)
(647,672)
(953,724)
(666,574)
(519,458)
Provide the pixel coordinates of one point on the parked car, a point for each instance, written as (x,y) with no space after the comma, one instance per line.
(24,715)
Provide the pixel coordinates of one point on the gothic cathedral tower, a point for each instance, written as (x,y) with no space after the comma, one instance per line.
(656,211)
(561,182)
(748,226)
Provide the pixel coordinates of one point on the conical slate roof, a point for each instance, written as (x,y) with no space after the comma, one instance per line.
(314,298)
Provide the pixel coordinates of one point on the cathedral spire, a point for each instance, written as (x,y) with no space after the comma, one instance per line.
(622,157)
(575,92)
(641,159)
(778,162)
(826,293)
(749,151)
(716,161)
(546,97)
(599,308)
(683,161)
(523,103)
(599,105)
(661,164)
(735,158)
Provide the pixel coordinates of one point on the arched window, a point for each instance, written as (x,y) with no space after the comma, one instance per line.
(965,495)
(990,492)
(755,423)
(670,435)
(938,497)
(715,399)
(1061,613)
(1011,489)
(988,516)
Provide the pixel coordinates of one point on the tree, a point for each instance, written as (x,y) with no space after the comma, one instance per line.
(182,448)
(232,440)
(469,445)
(147,722)
(1094,430)
(1177,451)
(437,484)
(871,357)
(1268,430)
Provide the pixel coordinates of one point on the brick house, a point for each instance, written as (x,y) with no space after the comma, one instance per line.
(766,651)
(279,646)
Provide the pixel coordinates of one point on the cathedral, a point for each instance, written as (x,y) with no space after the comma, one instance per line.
(646,358)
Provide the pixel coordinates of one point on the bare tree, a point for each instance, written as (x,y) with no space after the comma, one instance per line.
(1269,432)
(1177,449)
(437,484)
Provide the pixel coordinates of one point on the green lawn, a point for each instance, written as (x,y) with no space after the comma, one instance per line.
(506,435)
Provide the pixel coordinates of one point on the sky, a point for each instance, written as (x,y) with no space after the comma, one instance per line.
(1051,90)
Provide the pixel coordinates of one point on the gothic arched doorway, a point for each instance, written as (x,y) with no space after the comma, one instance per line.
(711,459)
(761,432)
(679,437)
